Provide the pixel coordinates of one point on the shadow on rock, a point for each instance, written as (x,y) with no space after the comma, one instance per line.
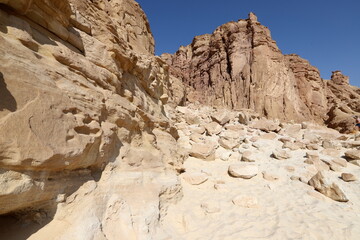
(7,101)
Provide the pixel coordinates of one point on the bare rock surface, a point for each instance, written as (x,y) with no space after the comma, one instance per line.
(81,105)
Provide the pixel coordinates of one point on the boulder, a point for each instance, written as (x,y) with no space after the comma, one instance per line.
(280,154)
(230,139)
(229,143)
(348,177)
(244,118)
(204,151)
(213,128)
(245,171)
(323,184)
(221,117)
(353,154)
(340,161)
(266,125)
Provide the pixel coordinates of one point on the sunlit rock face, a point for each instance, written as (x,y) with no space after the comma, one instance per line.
(82,99)
(240,66)
(94,144)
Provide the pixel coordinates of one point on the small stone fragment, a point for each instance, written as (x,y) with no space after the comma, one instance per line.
(245,171)
(348,177)
(280,154)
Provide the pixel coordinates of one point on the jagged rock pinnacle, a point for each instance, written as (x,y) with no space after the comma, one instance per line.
(253,17)
(338,78)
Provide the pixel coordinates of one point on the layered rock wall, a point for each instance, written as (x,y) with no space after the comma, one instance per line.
(239,66)
(81,90)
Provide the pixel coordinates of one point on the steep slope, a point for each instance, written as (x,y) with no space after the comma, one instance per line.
(81,90)
(239,66)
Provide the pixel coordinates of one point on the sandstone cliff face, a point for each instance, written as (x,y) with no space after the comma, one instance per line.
(81,90)
(239,66)
(343,102)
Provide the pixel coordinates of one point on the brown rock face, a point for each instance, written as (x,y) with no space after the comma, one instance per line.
(311,88)
(239,66)
(343,102)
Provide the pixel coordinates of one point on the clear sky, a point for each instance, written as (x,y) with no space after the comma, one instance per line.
(325,32)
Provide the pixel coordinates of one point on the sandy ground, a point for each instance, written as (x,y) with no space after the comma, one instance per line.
(224,207)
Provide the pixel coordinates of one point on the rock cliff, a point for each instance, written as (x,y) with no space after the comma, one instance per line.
(82,98)
(239,66)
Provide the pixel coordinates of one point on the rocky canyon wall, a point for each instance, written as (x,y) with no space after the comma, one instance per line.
(81,89)
(91,146)
(240,66)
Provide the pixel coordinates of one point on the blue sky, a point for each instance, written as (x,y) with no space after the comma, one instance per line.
(327,33)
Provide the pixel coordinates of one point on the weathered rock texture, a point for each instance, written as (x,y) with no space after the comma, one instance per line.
(239,66)
(91,148)
(80,89)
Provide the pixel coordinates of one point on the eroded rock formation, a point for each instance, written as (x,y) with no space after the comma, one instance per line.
(92,145)
(81,89)
(239,66)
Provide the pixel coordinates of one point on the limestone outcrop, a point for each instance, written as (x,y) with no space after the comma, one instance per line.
(239,66)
